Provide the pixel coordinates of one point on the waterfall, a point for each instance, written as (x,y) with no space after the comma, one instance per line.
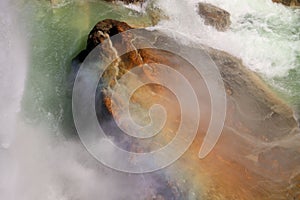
(13,65)
(37,161)
(13,61)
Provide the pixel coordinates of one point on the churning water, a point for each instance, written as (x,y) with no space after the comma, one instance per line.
(37,44)
(265,35)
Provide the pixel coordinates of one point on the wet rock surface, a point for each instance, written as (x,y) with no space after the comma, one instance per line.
(260,143)
(155,13)
(278,160)
(104,29)
(214,16)
(291,3)
(128,1)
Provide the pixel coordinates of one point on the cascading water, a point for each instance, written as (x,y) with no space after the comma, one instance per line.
(263,34)
(36,161)
(13,62)
(13,72)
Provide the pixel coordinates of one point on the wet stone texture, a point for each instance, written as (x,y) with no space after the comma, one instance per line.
(291,3)
(257,156)
(128,1)
(214,16)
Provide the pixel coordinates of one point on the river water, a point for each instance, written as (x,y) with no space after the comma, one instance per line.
(38,42)
(266,36)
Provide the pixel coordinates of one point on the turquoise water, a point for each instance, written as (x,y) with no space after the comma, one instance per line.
(290,87)
(279,40)
(56,35)
(265,35)
(282,39)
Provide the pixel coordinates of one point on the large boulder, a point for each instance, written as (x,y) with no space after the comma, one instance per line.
(102,30)
(260,141)
(214,16)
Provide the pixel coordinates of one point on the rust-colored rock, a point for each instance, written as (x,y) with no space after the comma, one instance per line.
(259,146)
(102,29)
(214,16)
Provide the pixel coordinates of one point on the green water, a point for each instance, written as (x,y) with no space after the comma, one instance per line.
(55,36)
(279,45)
(290,87)
(280,35)
(285,36)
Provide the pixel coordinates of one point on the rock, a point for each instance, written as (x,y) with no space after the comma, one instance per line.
(128,1)
(260,136)
(292,3)
(214,16)
(155,13)
(254,99)
(294,189)
(102,29)
(279,160)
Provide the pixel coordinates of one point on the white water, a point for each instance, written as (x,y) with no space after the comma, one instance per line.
(137,7)
(34,164)
(13,65)
(262,33)
(13,62)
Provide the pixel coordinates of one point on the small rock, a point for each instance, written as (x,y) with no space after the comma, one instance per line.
(155,13)
(291,3)
(108,26)
(214,16)
(129,1)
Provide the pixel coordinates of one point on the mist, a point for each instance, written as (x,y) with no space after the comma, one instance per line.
(36,162)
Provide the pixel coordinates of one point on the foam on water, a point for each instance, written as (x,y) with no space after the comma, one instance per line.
(264,34)
(137,7)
